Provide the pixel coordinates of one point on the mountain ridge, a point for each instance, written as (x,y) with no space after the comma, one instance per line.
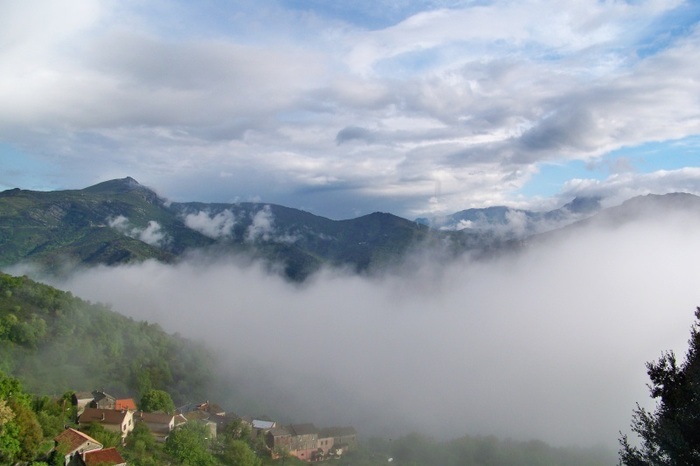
(121,221)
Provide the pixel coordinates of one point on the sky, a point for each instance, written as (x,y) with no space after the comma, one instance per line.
(344,108)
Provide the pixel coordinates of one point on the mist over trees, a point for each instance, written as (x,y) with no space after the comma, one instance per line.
(53,340)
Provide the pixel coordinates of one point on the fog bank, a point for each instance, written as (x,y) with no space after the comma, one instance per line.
(550,343)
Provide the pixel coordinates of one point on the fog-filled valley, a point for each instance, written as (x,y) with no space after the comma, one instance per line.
(546,343)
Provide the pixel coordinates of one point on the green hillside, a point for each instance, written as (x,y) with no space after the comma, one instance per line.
(98,225)
(54,342)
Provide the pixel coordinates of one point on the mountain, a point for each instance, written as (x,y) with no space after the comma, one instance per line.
(514,223)
(122,221)
(659,207)
(113,222)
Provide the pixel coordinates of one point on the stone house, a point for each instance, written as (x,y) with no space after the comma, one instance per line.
(112,420)
(160,424)
(74,443)
(101,400)
(81,400)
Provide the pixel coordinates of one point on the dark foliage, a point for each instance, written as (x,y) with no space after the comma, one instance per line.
(670,435)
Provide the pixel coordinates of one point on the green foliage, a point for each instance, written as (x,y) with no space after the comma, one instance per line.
(20,432)
(189,445)
(30,433)
(670,435)
(53,414)
(236,430)
(141,448)
(239,453)
(157,401)
(106,437)
(10,447)
(55,342)
(57,456)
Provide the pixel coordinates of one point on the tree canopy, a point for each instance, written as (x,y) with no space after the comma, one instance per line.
(670,434)
(157,401)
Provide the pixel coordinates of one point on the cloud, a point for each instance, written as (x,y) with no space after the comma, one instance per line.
(262,226)
(353,133)
(622,186)
(213,226)
(517,347)
(152,234)
(473,95)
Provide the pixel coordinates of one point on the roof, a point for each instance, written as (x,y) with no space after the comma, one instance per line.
(337,432)
(212,408)
(155,418)
(125,403)
(74,439)
(303,429)
(83,396)
(258,424)
(197,416)
(103,416)
(100,395)
(279,432)
(108,455)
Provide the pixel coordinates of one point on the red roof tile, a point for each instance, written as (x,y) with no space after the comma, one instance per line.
(126,403)
(108,455)
(74,439)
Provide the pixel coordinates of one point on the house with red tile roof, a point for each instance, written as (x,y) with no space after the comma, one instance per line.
(74,443)
(108,456)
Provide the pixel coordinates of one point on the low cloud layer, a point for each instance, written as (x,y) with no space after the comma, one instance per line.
(548,344)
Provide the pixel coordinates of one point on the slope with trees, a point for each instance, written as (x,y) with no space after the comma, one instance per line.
(55,342)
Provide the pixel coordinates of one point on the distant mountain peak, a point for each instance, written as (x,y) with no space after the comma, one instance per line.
(123,186)
(120,185)
(584,205)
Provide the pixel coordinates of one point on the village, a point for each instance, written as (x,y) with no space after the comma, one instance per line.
(120,415)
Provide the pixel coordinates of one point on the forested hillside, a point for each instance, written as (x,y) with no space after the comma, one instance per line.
(54,342)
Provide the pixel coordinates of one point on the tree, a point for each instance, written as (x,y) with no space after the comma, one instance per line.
(239,453)
(30,433)
(670,435)
(20,432)
(157,400)
(189,444)
(141,447)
